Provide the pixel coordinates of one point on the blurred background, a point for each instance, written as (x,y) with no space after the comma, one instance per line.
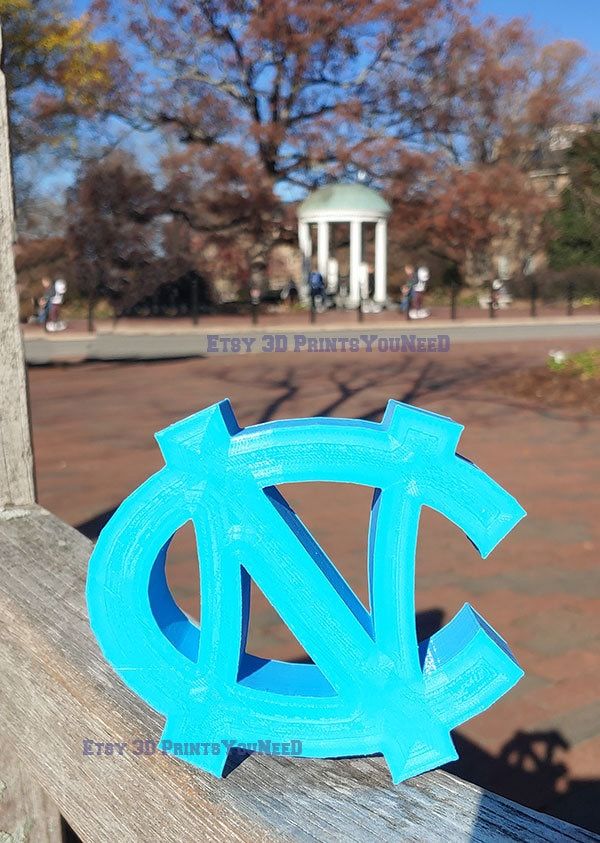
(161,150)
(161,153)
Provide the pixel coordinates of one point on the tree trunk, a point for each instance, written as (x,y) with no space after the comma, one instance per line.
(90,314)
(259,261)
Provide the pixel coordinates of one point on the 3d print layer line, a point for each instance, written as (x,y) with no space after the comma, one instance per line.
(372,688)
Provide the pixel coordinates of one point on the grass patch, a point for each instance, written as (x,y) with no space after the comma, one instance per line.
(584,365)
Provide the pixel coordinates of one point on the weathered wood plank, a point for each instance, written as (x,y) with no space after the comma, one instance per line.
(26,814)
(16,460)
(57,691)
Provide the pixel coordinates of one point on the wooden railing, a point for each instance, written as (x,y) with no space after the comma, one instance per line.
(57,692)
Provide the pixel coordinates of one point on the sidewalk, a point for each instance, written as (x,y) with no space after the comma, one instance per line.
(153,339)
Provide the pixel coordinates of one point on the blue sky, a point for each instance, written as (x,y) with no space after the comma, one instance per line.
(575,19)
(551,19)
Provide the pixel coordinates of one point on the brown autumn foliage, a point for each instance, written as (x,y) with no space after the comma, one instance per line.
(39,257)
(59,72)
(260,101)
(266,98)
(224,197)
(120,244)
(502,95)
(466,208)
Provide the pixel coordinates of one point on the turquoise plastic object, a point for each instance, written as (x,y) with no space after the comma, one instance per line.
(372,687)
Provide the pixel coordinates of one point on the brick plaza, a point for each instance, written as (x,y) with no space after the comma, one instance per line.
(93,436)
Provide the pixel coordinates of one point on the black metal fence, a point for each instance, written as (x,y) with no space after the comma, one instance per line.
(534,296)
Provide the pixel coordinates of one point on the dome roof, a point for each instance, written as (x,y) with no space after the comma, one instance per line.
(344,197)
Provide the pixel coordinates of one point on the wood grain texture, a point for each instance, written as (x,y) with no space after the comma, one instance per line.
(16,460)
(26,814)
(56,691)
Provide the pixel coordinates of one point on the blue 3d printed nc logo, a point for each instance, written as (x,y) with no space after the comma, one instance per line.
(372,688)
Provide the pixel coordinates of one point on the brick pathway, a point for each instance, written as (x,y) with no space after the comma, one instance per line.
(540,589)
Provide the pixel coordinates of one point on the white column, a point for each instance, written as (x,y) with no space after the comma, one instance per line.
(305,243)
(304,240)
(380,294)
(355,259)
(323,247)
(333,276)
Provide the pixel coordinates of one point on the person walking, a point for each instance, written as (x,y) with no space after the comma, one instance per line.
(55,300)
(417,311)
(317,291)
(498,293)
(42,302)
(407,287)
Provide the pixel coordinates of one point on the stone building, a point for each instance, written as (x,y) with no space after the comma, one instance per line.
(547,168)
